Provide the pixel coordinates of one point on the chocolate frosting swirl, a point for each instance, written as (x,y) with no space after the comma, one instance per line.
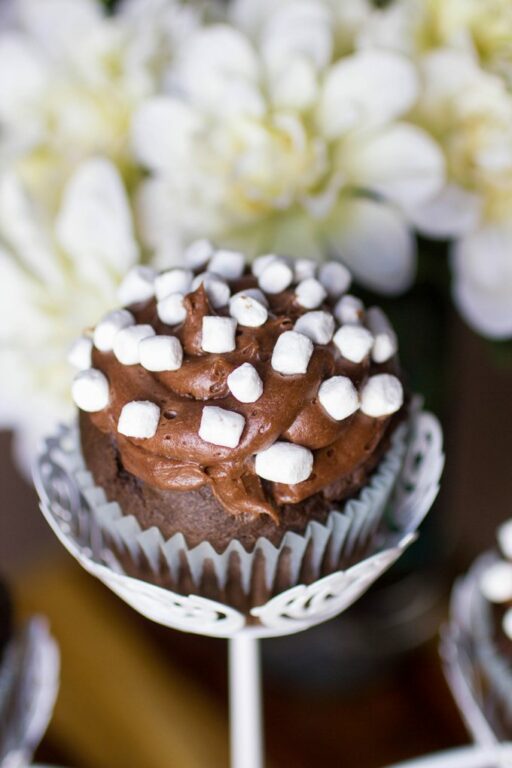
(177,458)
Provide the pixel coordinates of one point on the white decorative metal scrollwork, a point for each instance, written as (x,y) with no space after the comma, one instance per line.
(65,507)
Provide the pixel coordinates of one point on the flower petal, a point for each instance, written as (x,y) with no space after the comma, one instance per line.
(302,29)
(401,162)
(57,25)
(94,224)
(367,89)
(293,85)
(375,243)
(162,133)
(453,212)
(23,75)
(482,288)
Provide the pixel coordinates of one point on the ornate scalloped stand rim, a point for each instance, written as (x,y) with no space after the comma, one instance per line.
(289,612)
(467,757)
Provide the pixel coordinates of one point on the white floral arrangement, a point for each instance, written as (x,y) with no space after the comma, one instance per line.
(319,128)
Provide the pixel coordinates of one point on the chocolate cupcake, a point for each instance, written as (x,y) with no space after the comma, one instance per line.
(232,405)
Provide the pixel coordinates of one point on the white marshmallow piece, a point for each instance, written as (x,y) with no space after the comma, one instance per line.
(139,418)
(218,334)
(137,286)
(247,310)
(161,353)
(126,343)
(217,290)
(317,326)
(276,277)
(90,390)
(292,353)
(228,264)
(221,427)
(507,623)
(505,538)
(349,309)
(385,345)
(304,269)
(254,293)
(339,397)
(245,384)
(310,293)
(335,278)
(354,342)
(107,329)
(198,253)
(284,463)
(261,263)
(80,353)
(171,310)
(173,281)
(382,395)
(496,582)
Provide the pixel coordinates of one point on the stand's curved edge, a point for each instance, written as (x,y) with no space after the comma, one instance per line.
(465,757)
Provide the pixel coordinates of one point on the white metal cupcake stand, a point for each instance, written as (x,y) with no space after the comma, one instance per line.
(292,611)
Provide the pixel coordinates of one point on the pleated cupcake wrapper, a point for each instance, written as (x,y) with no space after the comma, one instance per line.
(479,675)
(322,547)
(29,675)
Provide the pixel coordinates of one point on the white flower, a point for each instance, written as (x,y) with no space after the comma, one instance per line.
(71,78)
(268,139)
(57,277)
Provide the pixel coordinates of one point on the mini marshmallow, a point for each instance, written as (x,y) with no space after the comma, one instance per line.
(139,419)
(161,353)
(137,286)
(80,352)
(505,538)
(261,263)
(276,277)
(218,334)
(228,264)
(173,281)
(292,353)
(338,397)
(382,395)
(126,343)
(354,342)
(90,390)
(198,253)
(284,463)
(221,427)
(335,278)
(107,329)
(496,582)
(171,310)
(247,310)
(254,293)
(317,326)
(386,342)
(217,289)
(310,293)
(507,623)
(304,269)
(245,384)
(349,309)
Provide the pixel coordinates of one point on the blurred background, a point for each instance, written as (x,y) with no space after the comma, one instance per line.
(366,689)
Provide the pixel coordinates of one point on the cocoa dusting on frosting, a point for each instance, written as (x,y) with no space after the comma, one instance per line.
(288,410)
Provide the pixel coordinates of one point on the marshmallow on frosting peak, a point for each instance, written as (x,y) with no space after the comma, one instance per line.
(260,263)
(221,427)
(126,343)
(339,397)
(310,293)
(171,310)
(90,390)
(173,281)
(496,582)
(218,334)
(107,329)
(292,353)
(284,463)
(161,353)
(228,264)
(385,343)
(354,342)
(137,286)
(248,310)
(217,290)
(80,352)
(139,419)
(382,395)
(349,309)
(198,253)
(304,269)
(245,384)
(335,278)
(276,277)
(317,326)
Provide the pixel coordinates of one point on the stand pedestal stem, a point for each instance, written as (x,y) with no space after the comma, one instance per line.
(246,726)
